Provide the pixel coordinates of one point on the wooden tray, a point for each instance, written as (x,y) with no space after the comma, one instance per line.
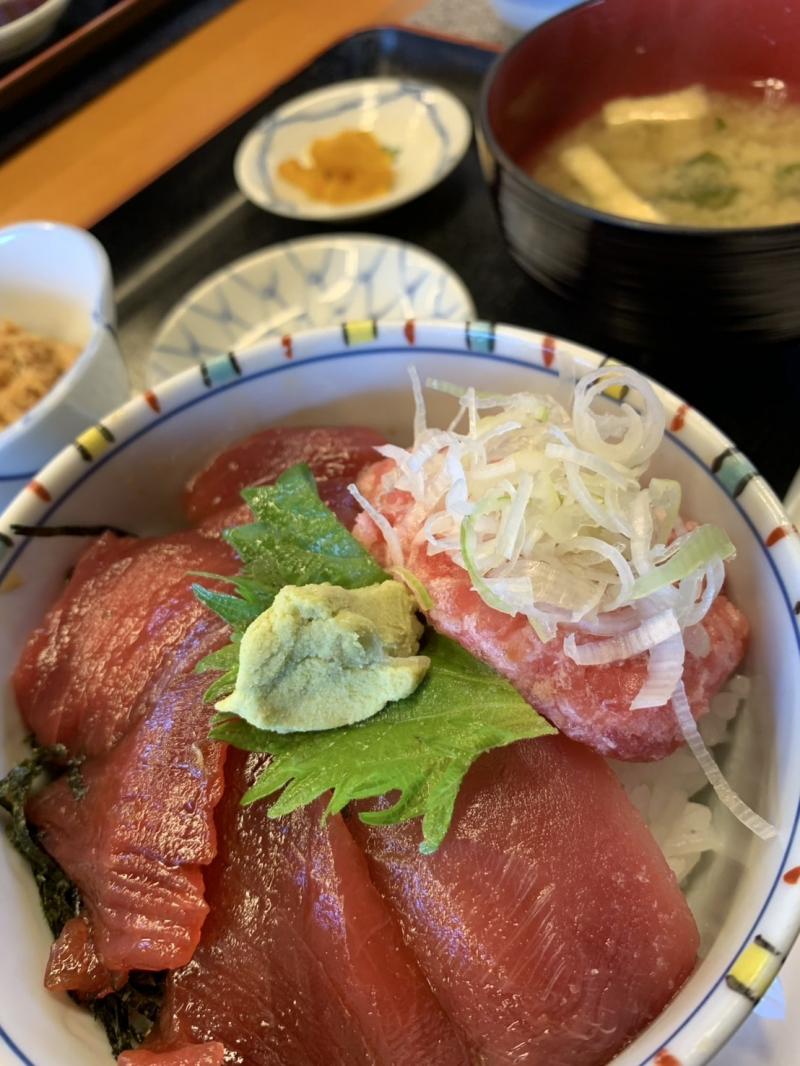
(76,36)
(95,44)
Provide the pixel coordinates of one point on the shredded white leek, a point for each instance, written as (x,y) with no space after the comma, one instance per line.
(383,524)
(688,552)
(414,586)
(735,804)
(551,514)
(651,633)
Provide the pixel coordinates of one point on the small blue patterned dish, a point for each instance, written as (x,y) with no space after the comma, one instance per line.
(316,281)
(427,129)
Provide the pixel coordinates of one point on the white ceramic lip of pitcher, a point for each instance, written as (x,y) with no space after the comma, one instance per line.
(61,265)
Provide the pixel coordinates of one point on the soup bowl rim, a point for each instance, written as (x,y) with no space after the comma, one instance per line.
(486,131)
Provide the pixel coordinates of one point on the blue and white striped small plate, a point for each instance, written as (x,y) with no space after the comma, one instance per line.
(427,129)
(315,281)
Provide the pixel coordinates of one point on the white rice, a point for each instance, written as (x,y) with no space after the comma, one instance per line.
(666,793)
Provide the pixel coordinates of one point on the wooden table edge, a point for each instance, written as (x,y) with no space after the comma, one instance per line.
(100,156)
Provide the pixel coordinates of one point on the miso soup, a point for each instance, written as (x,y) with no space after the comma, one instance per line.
(693,157)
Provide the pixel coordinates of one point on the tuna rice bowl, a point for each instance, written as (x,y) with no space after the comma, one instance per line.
(391,754)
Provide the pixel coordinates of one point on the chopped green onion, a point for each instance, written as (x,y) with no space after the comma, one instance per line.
(787,180)
(415,586)
(701,546)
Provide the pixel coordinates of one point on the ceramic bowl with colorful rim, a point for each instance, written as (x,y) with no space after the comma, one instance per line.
(128,471)
(426,129)
(315,281)
(55,281)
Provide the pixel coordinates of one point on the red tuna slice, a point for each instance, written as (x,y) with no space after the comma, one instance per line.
(215,524)
(126,624)
(591,704)
(548,923)
(300,962)
(188,1055)
(74,966)
(134,843)
(335,455)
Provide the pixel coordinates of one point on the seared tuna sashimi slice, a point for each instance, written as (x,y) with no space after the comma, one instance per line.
(134,842)
(548,923)
(335,456)
(125,625)
(301,963)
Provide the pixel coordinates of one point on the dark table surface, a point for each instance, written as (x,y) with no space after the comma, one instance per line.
(23,119)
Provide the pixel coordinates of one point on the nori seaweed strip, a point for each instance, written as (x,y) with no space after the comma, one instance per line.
(68,531)
(60,899)
(129,1014)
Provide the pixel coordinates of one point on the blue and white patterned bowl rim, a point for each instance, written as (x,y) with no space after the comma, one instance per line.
(214,287)
(451,149)
(705,445)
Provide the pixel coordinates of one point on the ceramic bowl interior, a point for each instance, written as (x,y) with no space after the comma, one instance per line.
(55,281)
(342,376)
(642,283)
(427,129)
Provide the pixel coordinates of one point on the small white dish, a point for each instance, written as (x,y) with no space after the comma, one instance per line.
(25,32)
(317,281)
(427,128)
(55,281)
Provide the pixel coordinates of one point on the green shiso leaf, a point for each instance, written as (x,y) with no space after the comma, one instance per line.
(421,746)
(295,540)
(701,546)
(234,610)
(223,686)
(224,659)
